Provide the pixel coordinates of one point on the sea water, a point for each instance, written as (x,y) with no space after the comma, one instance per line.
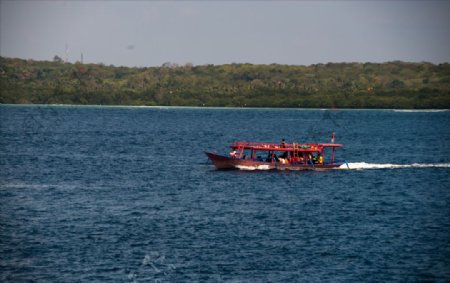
(126,194)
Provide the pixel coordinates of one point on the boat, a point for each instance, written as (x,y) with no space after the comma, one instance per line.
(278,156)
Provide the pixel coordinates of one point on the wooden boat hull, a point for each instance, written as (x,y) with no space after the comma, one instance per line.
(222,162)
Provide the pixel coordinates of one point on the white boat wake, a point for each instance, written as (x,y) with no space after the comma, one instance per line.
(251,168)
(364,165)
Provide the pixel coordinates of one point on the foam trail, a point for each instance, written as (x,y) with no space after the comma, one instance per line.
(364,165)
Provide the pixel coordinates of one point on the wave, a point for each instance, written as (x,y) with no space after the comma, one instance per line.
(364,165)
(20,185)
(419,110)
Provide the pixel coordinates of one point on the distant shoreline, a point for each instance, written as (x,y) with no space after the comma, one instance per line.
(392,85)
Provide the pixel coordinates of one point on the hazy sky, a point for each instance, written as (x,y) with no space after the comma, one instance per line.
(149,33)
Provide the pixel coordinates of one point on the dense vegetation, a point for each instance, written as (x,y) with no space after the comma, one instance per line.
(350,85)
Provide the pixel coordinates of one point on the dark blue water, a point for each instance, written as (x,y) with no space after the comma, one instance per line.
(126,195)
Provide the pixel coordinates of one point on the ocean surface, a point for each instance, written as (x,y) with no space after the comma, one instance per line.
(126,194)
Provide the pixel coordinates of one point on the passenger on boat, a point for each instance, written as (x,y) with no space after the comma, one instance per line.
(275,157)
(283,143)
(310,158)
(233,153)
(297,159)
(320,159)
(317,159)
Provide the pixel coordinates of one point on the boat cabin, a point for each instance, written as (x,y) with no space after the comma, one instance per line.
(284,153)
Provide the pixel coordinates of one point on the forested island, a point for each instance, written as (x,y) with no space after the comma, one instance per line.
(334,85)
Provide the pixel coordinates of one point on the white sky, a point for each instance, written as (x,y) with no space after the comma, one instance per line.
(149,33)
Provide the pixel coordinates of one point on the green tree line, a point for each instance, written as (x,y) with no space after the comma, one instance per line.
(343,85)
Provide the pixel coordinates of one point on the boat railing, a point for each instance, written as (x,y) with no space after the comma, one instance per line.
(248,145)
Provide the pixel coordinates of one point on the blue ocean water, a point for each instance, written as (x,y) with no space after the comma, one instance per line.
(126,194)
